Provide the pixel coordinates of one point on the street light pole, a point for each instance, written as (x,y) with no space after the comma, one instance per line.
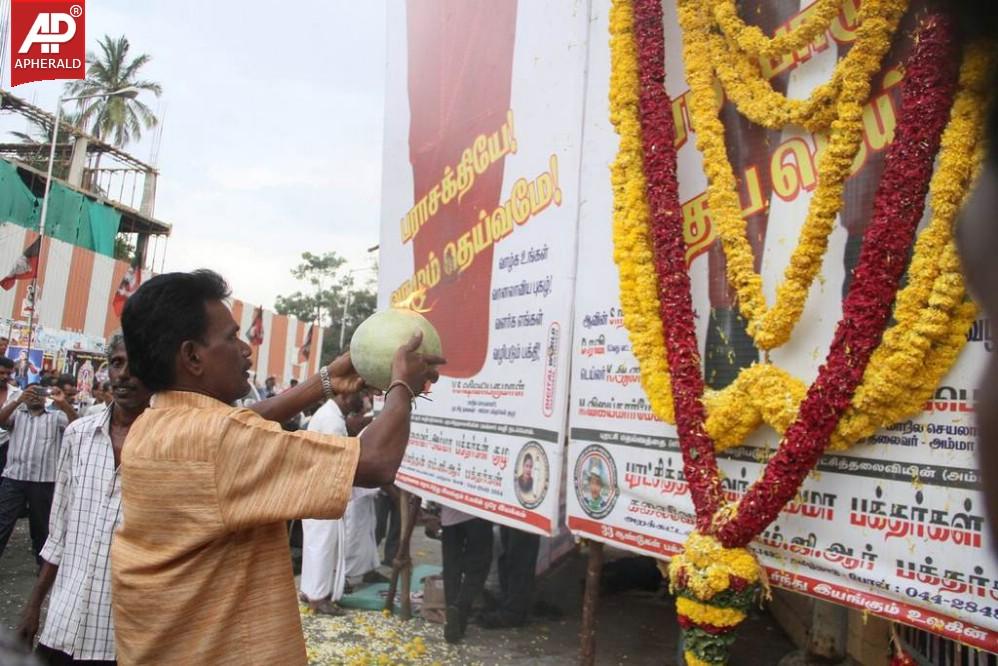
(130,92)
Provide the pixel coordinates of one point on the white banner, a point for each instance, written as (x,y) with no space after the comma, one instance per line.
(894,526)
(483,133)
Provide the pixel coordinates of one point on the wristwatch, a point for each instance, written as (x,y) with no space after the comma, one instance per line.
(327,385)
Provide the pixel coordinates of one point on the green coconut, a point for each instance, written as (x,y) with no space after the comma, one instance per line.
(376,340)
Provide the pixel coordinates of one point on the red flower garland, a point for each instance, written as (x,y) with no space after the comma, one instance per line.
(927,94)
(658,138)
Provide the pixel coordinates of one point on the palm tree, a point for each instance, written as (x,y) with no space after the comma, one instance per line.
(118,120)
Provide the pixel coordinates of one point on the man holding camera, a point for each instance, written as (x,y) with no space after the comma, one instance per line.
(29,478)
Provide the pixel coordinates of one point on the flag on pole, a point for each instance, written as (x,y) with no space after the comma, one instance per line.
(26,266)
(129,285)
(305,351)
(255,332)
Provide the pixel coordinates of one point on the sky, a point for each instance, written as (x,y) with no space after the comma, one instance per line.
(271,130)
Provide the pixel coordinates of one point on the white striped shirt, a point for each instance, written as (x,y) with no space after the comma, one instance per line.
(34,445)
(86,509)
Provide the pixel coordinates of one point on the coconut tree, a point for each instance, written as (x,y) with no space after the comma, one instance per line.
(117,120)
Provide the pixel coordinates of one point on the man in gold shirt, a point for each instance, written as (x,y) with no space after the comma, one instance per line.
(201,568)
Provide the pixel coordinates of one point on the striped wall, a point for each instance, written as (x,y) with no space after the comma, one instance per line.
(77,287)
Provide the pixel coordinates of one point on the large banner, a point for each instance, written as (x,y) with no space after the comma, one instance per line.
(895,525)
(483,133)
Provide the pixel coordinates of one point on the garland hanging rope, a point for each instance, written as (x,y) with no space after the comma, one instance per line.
(716,577)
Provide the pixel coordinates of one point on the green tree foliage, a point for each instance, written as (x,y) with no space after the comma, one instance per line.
(117,120)
(325,299)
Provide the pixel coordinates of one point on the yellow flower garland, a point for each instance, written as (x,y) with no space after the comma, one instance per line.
(712,615)
(770,327)
(932,314)
(632,252)
(693,660)
(932,311)
(708,566)
(753,95)
(752,40)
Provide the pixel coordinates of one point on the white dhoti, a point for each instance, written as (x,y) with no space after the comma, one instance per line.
(361,521)
(323,567)
(324,542)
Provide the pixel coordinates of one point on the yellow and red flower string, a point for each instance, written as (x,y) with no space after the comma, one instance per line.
(927,95)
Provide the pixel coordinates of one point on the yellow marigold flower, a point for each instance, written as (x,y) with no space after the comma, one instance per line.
(705,614)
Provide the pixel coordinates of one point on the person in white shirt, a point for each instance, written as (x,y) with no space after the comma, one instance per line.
(102,398)
(86,510)
(324,542)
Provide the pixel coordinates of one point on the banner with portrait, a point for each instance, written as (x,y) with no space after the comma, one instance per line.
(894,526)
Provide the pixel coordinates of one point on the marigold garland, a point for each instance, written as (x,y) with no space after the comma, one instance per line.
(771,327)
(744,83)
(926,99)
(753,41)
(927,95)
(638,286)
(916,352)
(714,587)
(922,345)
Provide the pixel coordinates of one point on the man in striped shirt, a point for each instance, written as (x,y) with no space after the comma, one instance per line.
(200,566)
(29,478)
(85,512)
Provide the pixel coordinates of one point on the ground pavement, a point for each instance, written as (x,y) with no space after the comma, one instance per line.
(634,627)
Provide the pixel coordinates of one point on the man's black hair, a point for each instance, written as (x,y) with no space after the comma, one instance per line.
(163,313)
(6,363)
(48,381)
(115,341)
(65,379)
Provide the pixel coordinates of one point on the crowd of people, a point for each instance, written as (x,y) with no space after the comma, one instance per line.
(169,549)
(158,515)
(166,550)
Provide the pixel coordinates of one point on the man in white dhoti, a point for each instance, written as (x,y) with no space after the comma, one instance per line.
(324,564)
(361,552)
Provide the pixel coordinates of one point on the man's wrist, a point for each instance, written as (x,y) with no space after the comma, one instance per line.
(399,395)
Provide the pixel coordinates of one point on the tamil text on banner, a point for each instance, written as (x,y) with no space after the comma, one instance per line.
(483,130)
(894,526)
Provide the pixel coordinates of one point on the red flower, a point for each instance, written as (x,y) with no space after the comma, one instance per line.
(738,584)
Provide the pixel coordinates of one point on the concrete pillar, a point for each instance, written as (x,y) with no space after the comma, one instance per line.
(148,205)
(141,244)
(78,162)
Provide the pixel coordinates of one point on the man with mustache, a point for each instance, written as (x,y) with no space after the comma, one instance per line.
(201,567)
(86,510)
